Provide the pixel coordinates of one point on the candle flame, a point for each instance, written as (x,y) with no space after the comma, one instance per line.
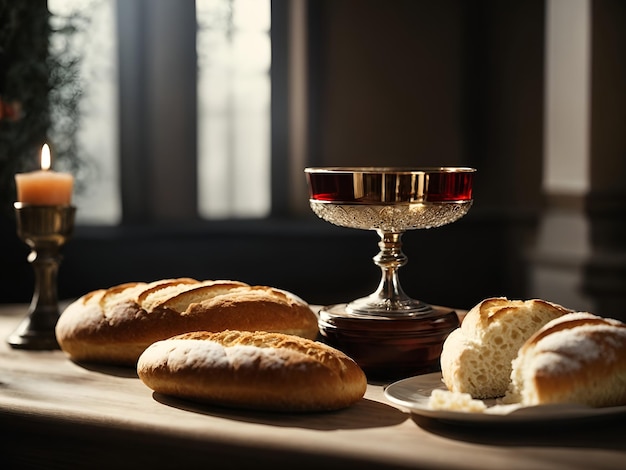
(45,157)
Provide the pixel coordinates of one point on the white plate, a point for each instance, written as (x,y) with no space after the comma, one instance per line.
(413,393)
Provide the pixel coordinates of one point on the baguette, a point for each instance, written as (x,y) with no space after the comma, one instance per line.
(115,325)
(252,370)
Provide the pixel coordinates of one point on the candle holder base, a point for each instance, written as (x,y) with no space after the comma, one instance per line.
(35,333)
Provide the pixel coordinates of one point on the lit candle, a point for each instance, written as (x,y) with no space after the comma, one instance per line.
(44,187)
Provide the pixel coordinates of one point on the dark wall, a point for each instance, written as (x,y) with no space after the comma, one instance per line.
(388,82)
(455,265)
(605,205)
(433,83)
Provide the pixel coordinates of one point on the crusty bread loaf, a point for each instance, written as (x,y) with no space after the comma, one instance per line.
(255,370)
(115,325)
(577,358)
(476,357)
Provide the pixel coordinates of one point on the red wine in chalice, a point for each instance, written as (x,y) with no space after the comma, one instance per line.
(363,187)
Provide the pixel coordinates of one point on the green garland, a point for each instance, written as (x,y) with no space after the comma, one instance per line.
(41,89)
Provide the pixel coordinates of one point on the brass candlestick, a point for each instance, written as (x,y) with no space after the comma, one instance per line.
(45,229)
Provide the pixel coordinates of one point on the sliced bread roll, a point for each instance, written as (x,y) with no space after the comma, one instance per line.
(115,325)
(577,358)
(254,370)
(476,357)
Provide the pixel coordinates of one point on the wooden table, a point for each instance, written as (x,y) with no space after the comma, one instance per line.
(58,414)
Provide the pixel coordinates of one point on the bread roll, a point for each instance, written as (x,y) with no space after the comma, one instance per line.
(476,357)
(254,370)
(577,358)
(115,325)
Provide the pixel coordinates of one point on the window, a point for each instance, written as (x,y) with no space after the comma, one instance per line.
(95,43)
(234,54)
(233,102)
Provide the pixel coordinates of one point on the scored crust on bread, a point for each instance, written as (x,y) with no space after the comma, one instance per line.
(253,370)
(115,325)
(578,358)
(476,357)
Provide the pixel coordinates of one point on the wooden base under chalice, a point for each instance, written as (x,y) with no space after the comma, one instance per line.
(45,229)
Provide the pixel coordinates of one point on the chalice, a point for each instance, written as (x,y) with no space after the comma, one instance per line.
(388,333)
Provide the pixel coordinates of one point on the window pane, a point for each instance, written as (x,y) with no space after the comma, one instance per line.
(233,47)
(98,196)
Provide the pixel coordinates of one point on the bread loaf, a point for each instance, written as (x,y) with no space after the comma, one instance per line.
(577,358)
(476,357)
(115,325)
(254,370)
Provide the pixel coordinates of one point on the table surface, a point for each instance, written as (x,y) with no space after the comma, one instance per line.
(55,413)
